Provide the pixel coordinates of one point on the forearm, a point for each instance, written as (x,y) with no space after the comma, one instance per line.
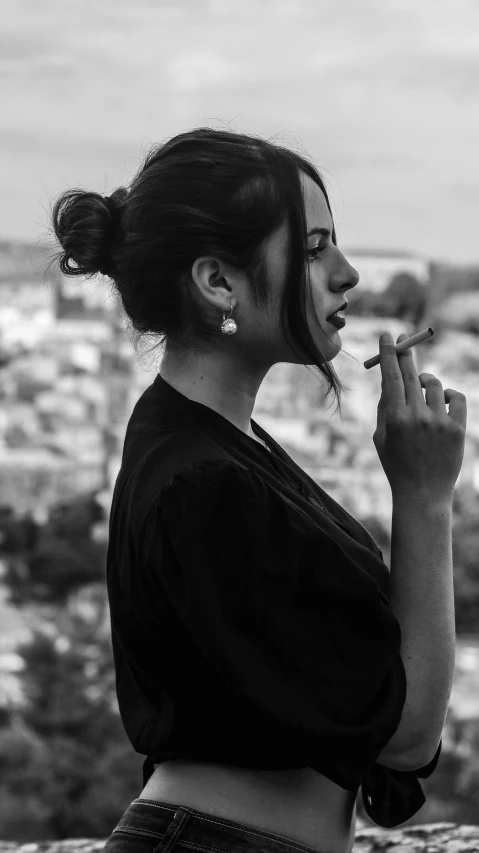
(422,599)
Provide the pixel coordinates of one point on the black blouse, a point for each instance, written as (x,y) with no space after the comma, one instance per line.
(249,611)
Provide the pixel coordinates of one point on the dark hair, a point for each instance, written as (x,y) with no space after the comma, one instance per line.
(202,192)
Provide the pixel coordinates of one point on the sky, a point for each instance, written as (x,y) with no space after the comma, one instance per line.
(383,95)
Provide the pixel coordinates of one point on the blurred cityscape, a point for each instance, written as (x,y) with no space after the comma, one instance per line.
(69,378)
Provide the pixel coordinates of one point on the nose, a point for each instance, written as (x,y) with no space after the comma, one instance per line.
(345,276)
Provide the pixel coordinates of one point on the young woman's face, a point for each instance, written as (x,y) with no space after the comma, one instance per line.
(260,341)
(331,274)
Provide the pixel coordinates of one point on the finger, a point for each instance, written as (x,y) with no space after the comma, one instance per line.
(457,406)
(412,385)
(392,385)
(434,397)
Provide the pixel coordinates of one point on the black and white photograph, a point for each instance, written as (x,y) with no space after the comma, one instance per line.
(239,426)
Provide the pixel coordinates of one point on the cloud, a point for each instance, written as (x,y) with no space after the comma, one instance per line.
(380,94)
(196,70)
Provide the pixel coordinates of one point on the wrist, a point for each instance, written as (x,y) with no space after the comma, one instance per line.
(422,502)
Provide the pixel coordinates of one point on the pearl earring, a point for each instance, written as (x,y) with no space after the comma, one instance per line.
(228,327)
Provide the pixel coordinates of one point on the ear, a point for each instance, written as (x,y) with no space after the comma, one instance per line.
(216,280)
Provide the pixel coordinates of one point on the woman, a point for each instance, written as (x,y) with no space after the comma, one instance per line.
(260,665)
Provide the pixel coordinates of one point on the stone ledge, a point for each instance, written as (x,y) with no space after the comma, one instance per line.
(420,838)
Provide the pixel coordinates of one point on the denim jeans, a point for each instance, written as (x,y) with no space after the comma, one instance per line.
(148,826)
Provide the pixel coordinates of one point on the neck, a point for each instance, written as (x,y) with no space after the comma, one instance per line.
(221,383)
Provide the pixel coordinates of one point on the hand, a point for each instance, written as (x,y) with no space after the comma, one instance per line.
(420,445)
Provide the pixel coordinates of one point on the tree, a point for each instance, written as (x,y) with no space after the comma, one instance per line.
(67,745)
(405,297)
(46,564)
(67,769)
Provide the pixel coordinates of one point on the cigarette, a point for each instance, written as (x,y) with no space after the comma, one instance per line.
(406,344)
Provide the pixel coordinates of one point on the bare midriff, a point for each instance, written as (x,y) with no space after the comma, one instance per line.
(300,805)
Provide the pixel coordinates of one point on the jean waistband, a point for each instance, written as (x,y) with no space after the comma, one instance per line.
(172,822)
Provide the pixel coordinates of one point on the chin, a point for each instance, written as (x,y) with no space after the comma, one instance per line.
(332,346)
(329,347)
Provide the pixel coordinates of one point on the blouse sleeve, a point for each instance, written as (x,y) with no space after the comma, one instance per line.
(292,620)
(391,797)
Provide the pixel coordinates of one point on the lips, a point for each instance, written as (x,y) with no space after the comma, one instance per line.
(338,321)
(341,308)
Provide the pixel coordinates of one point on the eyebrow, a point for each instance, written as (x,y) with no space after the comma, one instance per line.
(324,231)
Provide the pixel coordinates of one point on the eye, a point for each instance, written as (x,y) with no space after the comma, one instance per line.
(315,252)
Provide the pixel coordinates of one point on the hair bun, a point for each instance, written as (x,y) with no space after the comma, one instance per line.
(87,224)
(112,206)
(115,210)
(115,203)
